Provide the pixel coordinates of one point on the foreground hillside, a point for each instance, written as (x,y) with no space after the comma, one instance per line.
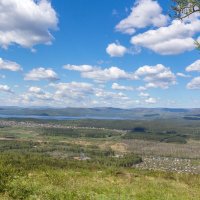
(99,159)
(47,180)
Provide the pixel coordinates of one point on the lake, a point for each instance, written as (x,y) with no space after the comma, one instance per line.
(58,117)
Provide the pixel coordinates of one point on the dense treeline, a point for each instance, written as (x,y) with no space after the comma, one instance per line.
(169,137)
(75,133)
(136,133)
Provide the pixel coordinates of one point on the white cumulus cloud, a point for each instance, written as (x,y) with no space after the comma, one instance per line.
(101,75)
(157,76)
(80,68)
(41,74)
(5,88)
(73,90)
(9,65)
(194,83)
(108,74)
(151,100)
(35,90)
(116,86)
(116,50)
(194,66)
(144,13)
(26,22)
(173,39)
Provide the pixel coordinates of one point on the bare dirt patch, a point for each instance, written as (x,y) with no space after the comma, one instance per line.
(119,147)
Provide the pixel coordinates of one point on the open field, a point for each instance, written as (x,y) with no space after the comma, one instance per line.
(94,159)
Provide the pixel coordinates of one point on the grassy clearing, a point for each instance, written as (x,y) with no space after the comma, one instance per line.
(110,183)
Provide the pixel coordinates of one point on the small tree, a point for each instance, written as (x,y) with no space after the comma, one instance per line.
(185,8)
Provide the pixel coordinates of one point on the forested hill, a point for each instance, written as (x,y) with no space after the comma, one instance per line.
(134,113)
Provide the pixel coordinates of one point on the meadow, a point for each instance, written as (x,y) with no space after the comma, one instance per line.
(97,159)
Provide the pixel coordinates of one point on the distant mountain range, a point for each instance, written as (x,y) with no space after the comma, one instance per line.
(133,113)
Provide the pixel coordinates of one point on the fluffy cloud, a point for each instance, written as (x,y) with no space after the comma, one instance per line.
(194,83)
(71,94)
(109,96)
(157,76)
(194,66)
(144,13)
(173,39)
(101,75)
(146,99)
(41,74)
(35,90)
(9,65)
(26,22)
(116,50)
(31,97)
(108,74)
(82,93)
(80,68)
(73,90)
(5,88)
(36,96)
(151,100)
(116,86)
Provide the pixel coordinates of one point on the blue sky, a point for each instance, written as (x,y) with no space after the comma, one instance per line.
(97,53)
